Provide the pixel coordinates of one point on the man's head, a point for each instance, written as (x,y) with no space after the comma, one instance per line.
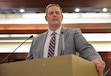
(54,15)
(50,5)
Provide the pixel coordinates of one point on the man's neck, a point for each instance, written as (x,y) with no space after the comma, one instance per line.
(54,28)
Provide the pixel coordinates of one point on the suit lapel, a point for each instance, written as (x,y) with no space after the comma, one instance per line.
(60,46)
(42,44)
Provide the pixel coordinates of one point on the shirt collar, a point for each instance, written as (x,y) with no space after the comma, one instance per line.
(57,31)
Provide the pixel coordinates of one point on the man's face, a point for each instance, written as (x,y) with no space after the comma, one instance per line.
(54,16)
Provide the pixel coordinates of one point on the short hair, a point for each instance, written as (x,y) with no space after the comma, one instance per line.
(50,5)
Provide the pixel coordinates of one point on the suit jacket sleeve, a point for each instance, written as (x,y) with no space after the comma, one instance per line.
(85,49)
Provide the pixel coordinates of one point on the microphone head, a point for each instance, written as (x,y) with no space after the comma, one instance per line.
(31,36)
(62,32)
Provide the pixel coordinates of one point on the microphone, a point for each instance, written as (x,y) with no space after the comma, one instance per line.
(63,46)
(15,49)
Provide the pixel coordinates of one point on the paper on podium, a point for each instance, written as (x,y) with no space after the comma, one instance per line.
(66,65)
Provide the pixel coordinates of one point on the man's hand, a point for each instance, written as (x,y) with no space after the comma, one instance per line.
(100,65)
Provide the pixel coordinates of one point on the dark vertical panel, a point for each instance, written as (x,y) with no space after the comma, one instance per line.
(107,58)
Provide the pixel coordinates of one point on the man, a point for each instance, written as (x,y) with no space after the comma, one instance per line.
(68,41)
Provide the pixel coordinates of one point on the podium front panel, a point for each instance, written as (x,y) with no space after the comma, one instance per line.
(67,65)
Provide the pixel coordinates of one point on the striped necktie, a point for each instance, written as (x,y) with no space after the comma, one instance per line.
(52,45)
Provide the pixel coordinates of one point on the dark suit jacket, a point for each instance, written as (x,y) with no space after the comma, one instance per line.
(73,42)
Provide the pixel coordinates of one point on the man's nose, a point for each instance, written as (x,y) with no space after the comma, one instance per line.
(54,14)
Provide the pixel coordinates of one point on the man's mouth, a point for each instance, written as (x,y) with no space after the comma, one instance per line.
(55,19)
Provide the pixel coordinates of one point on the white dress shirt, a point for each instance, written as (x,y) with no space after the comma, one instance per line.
(46,46)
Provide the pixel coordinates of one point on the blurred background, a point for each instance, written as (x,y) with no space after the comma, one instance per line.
(19,19)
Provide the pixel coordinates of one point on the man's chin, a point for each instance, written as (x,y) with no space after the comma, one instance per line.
(55,24)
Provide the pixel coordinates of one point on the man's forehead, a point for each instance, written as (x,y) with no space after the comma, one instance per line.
(54,8)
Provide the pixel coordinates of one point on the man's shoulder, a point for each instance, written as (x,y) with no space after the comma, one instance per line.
(72,29)
(41,35)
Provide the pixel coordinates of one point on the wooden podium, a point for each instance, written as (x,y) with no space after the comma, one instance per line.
(67,65)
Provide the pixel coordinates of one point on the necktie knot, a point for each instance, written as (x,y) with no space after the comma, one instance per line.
(53,33)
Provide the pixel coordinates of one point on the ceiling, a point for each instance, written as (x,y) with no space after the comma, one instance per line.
(39,5)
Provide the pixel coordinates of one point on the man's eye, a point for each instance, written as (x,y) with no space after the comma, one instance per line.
(57,13)
(50,13)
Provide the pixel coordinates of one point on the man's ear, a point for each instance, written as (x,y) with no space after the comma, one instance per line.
(62,17)
(46,18)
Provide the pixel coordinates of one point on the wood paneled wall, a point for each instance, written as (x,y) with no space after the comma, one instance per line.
(63,3)
(67,5)
(40,28)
